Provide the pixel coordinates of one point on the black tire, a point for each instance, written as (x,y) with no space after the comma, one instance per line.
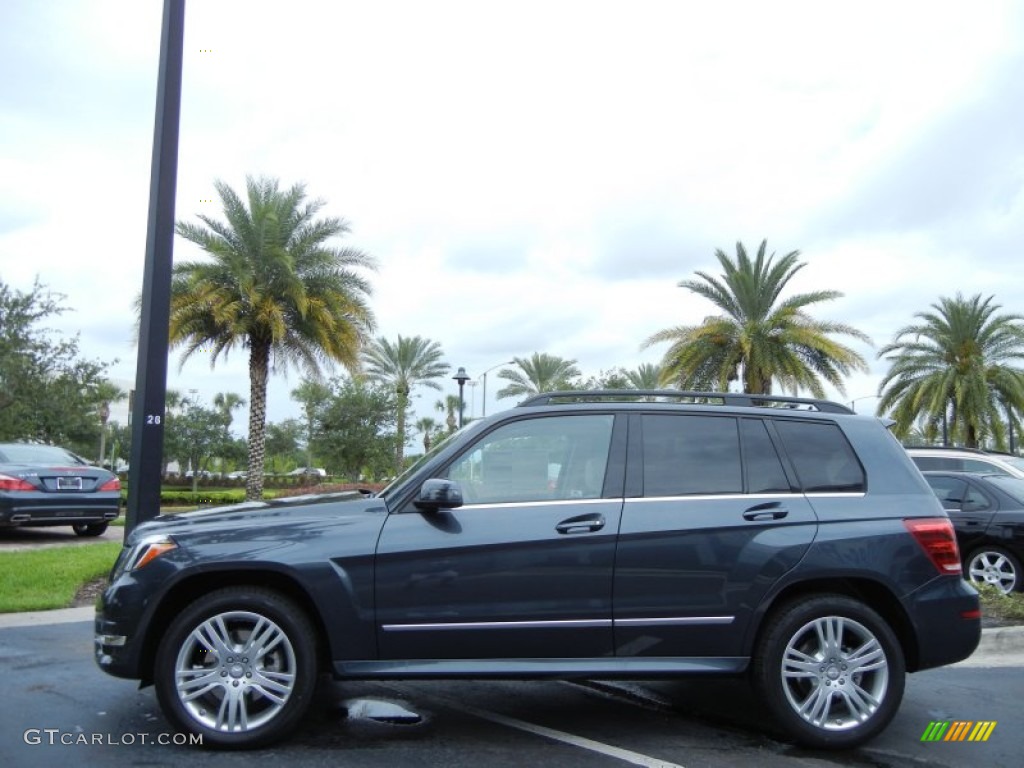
(995,566)
(820,696)
(89,529)
(241,698)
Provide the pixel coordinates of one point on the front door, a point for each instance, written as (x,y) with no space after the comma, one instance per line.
(524,568)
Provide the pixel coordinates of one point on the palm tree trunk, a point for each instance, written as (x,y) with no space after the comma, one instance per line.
(103,442)
(403,399)
(259,364)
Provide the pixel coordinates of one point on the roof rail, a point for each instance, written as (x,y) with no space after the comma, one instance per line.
(700,398)
(960,448)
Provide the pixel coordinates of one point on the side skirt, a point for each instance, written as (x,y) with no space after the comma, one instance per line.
(541,668)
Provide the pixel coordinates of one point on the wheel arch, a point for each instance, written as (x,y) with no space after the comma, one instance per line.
(195,585)
(873,594)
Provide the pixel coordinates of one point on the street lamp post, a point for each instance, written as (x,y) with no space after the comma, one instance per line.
(484,377)
(462,378)
(862,397)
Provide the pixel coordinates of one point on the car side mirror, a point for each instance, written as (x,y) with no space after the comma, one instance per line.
(437,493)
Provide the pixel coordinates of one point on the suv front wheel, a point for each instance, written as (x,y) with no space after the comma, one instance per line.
(238,667)
(831,670)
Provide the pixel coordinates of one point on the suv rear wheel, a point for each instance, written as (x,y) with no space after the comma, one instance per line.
(831,671)
(238,666)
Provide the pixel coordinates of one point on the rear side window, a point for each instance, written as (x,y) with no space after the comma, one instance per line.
(974,465)
(824,461)
(764,470)
(689,455)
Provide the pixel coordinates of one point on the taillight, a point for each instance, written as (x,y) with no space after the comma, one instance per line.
(114,484)
(937,539)
(8,483)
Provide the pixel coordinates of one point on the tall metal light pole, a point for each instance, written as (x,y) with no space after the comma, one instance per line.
(862,397)
(484,377)
(154,320)
(462,378)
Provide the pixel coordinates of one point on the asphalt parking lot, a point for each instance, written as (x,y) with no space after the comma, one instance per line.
(59,707)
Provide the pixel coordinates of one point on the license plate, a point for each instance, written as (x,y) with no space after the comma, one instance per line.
(69,483)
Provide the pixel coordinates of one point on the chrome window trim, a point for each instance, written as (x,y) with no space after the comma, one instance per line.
(718,497)
(519,504)
(750,496)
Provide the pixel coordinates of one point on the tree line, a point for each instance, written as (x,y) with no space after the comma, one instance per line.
(273,285)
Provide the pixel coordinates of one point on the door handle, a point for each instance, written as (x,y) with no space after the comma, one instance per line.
(777,514)
(771,510)
(581,524)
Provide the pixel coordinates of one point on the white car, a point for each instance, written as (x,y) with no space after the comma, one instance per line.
(966,460)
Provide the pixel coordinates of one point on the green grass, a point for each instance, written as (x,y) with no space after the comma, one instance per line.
(42,579)
(999,606)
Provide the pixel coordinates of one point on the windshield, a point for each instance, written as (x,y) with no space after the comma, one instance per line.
(398,481)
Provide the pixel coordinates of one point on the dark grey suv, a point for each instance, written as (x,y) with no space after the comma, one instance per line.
(582,534)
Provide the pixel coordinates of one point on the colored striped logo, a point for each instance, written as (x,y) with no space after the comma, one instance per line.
(958,730)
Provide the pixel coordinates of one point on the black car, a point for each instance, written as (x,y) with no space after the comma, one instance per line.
(988,514)
(48,485)
(579,535)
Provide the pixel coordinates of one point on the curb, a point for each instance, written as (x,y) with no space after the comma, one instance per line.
(42,618)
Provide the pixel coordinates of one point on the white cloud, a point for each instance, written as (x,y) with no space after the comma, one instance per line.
(532,176)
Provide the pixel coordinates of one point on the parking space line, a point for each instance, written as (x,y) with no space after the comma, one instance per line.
(626,755)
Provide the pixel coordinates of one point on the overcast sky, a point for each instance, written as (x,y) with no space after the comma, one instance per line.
(531,176)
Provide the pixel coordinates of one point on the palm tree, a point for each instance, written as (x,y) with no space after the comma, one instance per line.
(540,372)
(274,287)
(955,367)
(450,407)
(645,376)
(760,339)
(105,393)
(427,427)
(403,365)
(226,403)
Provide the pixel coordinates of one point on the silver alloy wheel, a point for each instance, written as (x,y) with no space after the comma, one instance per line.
(835,673)
(235,671)
(995,568)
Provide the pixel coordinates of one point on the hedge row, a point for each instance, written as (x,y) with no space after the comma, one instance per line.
(208,498)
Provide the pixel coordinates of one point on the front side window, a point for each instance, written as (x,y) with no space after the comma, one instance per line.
(823,460)
(542,459)
(691,455)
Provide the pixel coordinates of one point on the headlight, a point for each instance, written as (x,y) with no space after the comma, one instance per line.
(145,551)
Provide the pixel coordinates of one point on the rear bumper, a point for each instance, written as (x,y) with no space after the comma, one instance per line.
(61,511)
(947,617)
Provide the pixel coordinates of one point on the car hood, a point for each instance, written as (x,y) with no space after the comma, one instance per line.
(342,508)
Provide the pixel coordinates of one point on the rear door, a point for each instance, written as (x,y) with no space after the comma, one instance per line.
(711,521)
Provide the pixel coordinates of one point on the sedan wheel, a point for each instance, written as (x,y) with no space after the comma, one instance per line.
(997,567)
(831,671)
(237,667)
